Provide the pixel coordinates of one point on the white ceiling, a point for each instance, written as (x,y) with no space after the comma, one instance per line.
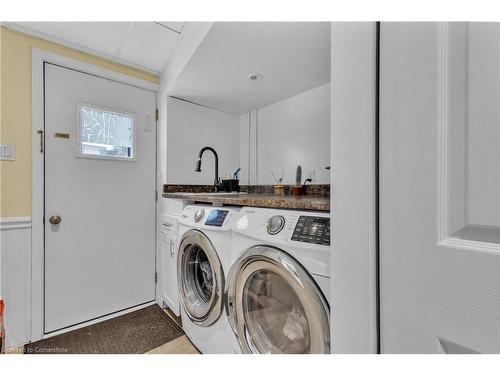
(144,45)
(293,57)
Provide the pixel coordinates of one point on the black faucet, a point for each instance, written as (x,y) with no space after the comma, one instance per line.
(198,165)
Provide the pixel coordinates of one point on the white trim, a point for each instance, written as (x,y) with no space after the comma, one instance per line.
(15,223)
(458,243)
(38,58)
(352,162)
(37,199)
(443,126)
(443,145)
(40,55)
(97,320)
(37,34)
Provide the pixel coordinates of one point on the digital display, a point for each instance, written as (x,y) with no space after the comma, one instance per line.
(216,218)
(312,229)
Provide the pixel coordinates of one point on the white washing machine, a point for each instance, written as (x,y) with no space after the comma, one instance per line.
(204,257)
(278,288)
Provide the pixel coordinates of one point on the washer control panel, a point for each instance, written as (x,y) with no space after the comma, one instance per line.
(204,217)
(216,218)
(312,229)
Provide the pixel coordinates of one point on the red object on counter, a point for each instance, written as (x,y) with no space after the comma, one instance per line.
(296,190)
(2,305)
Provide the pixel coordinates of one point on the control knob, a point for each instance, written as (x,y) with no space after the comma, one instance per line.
(198,215)
(275,224)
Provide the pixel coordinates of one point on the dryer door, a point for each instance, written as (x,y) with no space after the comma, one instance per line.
(201,278)
(275,306)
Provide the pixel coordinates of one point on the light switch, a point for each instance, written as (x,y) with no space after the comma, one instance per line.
(8,152)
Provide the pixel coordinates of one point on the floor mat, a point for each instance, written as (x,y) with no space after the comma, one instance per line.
(134,333)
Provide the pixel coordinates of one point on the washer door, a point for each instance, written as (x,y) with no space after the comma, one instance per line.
(201,278)
(275,306)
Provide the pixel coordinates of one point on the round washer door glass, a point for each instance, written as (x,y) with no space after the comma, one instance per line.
(199,273)
(200,278)
(275,306)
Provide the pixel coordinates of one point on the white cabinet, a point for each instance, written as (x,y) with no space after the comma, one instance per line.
(168,253)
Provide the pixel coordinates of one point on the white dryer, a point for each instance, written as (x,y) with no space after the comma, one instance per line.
(204,257)
(278,288)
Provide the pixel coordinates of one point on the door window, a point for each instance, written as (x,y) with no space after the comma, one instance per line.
(106,133)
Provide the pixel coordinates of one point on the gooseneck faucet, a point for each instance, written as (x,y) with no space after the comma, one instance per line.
(198,165)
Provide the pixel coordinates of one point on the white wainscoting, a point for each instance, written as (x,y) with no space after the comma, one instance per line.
(15,277)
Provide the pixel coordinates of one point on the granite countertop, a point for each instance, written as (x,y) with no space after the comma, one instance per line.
(304,202)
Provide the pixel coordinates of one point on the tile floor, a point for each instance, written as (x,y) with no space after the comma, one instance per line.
(180,345)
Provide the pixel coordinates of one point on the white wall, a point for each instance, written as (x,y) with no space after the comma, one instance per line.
(192,35)
(353,178)
(280,136)
(191,127)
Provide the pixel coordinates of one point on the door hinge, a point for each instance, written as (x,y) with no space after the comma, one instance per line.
(42,139)
(156,195)
(156,277)
(157,114)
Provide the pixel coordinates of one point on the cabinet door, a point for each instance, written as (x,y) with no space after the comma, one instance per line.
(168,243)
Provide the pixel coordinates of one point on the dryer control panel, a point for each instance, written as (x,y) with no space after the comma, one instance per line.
(280,227)
(312,229)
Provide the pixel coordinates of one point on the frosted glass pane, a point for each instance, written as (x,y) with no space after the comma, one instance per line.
(106,133)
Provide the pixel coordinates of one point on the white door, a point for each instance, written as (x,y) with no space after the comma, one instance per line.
(100,146)
(440,187)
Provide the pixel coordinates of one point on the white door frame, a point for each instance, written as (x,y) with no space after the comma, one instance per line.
(38,58)
(354,194)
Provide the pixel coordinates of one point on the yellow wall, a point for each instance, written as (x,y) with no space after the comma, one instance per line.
(15,111)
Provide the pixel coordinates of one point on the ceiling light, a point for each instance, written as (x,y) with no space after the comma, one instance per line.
(255,77)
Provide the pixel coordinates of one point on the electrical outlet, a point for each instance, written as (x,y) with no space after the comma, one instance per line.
(7,152)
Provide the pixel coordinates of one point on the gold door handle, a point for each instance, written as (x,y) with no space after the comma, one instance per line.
(55,219)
